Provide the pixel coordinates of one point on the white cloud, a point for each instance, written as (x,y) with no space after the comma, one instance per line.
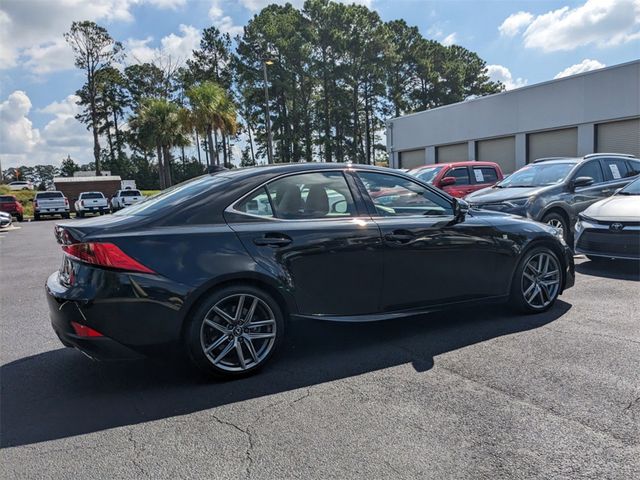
(514,23)
(17,134)
(31,31)
(503,74)
(21,144)
(602,23)
(176,48)
(450,39)
(584,66)
(223,22)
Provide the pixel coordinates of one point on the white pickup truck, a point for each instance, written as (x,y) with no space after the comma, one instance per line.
(50,203)
(124,198)
(91,202)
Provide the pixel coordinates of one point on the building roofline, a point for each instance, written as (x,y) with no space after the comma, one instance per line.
(519,89)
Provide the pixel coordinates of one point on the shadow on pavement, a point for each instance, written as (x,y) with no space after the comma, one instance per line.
(60,393)
(614,269)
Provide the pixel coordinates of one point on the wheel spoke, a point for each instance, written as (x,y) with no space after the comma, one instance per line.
(243,363)
(239,309)
(217,326)
(258,336)
(216,344)
(252,311)
(528,290)
(224,352)
(261,323)
(223,314)
(251,348)
(528,277)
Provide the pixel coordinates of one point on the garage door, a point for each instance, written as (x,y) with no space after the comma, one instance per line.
(458,152)
(554,143)
(619,137)
(412,158)
(499,150)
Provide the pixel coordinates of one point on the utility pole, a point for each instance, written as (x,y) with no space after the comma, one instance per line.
(265,62)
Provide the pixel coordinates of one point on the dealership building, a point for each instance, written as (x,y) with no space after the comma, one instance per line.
(597,111)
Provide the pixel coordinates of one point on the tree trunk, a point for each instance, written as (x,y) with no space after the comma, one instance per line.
(327,113)
(198,147)
(163,184)
(215,146)
(210,139)
(166,152)
(94,123)
(110,142)
(253,156)
(117,133)
(224,150)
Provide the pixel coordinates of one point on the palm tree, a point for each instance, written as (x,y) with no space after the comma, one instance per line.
(211,111)
(160,124)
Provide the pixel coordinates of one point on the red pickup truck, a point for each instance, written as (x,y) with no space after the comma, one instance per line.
(461,178)
(11,205)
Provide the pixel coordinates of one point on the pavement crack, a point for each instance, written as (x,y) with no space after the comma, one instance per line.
(633,403)
(136,451)
(249,436)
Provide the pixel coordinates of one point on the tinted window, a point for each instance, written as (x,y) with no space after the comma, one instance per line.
(49,195)
(256,204)
(634,167)
(130,193)
(392,196)
(18,183)
(461,174)
(311,195)
(91,195)
(615,168)
(591,169)
(175,196)
(485,175)
(7,199)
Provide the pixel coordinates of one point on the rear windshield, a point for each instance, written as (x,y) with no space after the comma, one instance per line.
(7,199)
(49,195)
(130,193)
(89,196)
(175,196)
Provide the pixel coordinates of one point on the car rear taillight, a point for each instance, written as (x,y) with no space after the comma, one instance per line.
(105,255)
(84,331)
(66,201)
(82,203)
(35,204)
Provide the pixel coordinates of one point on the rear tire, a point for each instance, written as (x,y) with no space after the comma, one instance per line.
(221,343)
(537,281)
(66,215)
(36,217)
(79,214)
(20,217)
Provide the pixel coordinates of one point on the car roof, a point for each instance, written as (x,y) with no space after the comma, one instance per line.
(555,160)
(468,163)
(281,168)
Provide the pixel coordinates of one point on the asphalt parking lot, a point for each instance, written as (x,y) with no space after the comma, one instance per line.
(473,393)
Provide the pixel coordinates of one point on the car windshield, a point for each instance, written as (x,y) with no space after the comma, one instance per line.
(174,196)
(130,193)
(40,195)
(425,174)
(632,189)
(7,199)
(537,175)
(91,195)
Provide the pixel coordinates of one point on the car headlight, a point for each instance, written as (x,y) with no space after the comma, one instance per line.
(519,202)
(558,234)
(585,218)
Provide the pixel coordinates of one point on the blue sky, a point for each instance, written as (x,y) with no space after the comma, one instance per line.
(523,42)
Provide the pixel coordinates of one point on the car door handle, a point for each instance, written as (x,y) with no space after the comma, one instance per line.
(400,236)
(272,240)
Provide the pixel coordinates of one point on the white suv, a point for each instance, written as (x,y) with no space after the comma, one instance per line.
(21,185)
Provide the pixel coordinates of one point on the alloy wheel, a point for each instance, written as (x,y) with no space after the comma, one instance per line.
(557,224)
(238,332)
(540,280)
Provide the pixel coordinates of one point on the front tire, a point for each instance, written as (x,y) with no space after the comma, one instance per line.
(558,222)
(537,281)
(234,332)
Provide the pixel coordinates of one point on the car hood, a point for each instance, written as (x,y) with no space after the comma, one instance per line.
(497,195)
(617,207)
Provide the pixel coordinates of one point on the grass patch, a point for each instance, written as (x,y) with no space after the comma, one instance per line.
(148,193)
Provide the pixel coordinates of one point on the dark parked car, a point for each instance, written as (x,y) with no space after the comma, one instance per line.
(219,263)
(461,178)
(555,191)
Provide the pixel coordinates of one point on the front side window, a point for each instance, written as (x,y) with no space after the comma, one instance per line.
(396,196)
(591,169)
(303,196)
(461,174)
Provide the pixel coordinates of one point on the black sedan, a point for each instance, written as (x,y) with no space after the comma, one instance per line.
(219,264)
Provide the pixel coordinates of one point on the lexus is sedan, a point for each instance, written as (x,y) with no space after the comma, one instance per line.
(610,228)
(218,265)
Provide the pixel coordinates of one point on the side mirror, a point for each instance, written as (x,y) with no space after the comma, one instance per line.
(460,208)
(582,182)
(446,181)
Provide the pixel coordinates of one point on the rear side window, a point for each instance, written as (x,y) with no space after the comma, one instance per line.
(615,168)
(257,204)
(634,168)
(461,174)
(591,169)
(485,175)
(49,195)
(130,193)
(91,195)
